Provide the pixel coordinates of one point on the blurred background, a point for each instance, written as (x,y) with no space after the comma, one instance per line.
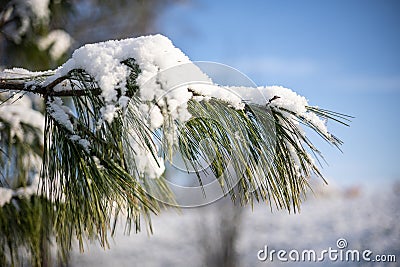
(341,55)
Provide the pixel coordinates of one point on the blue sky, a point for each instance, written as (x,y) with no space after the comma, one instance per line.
(341,55)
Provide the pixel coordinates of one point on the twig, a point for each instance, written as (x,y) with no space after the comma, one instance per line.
(46,90)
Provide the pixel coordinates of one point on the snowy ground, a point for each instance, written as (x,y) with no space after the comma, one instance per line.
(366,220)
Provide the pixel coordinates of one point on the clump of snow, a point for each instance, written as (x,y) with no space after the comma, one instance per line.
(29,190)
(156,118)
(288,100)
(97,162)
(59,42)
(40,8)
(5,195)
(60,113)
(20,73)
(146,165)
(21,112)
(85,144)
(223,93)
(103,61)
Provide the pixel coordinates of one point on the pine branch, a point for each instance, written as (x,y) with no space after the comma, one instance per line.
(99,163)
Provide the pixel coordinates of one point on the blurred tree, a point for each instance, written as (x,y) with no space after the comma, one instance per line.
(219,236)
(24,23)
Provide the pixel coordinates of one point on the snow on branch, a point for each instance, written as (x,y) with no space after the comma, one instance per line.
(127,83)
(113,117)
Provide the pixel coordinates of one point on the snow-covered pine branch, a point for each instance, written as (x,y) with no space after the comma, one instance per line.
(110,105)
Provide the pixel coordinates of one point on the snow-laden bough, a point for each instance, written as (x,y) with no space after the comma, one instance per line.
(116,112)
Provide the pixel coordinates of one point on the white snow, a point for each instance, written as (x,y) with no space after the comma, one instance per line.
(156,118)
(103,62)
(62,114)
(146,165)
(15,73)
(5,195)
(85,144)
(224,93)
(40,8)
(21,112)
(27,191)
(58,111)
(288,100)
(59,41)
(16,114)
